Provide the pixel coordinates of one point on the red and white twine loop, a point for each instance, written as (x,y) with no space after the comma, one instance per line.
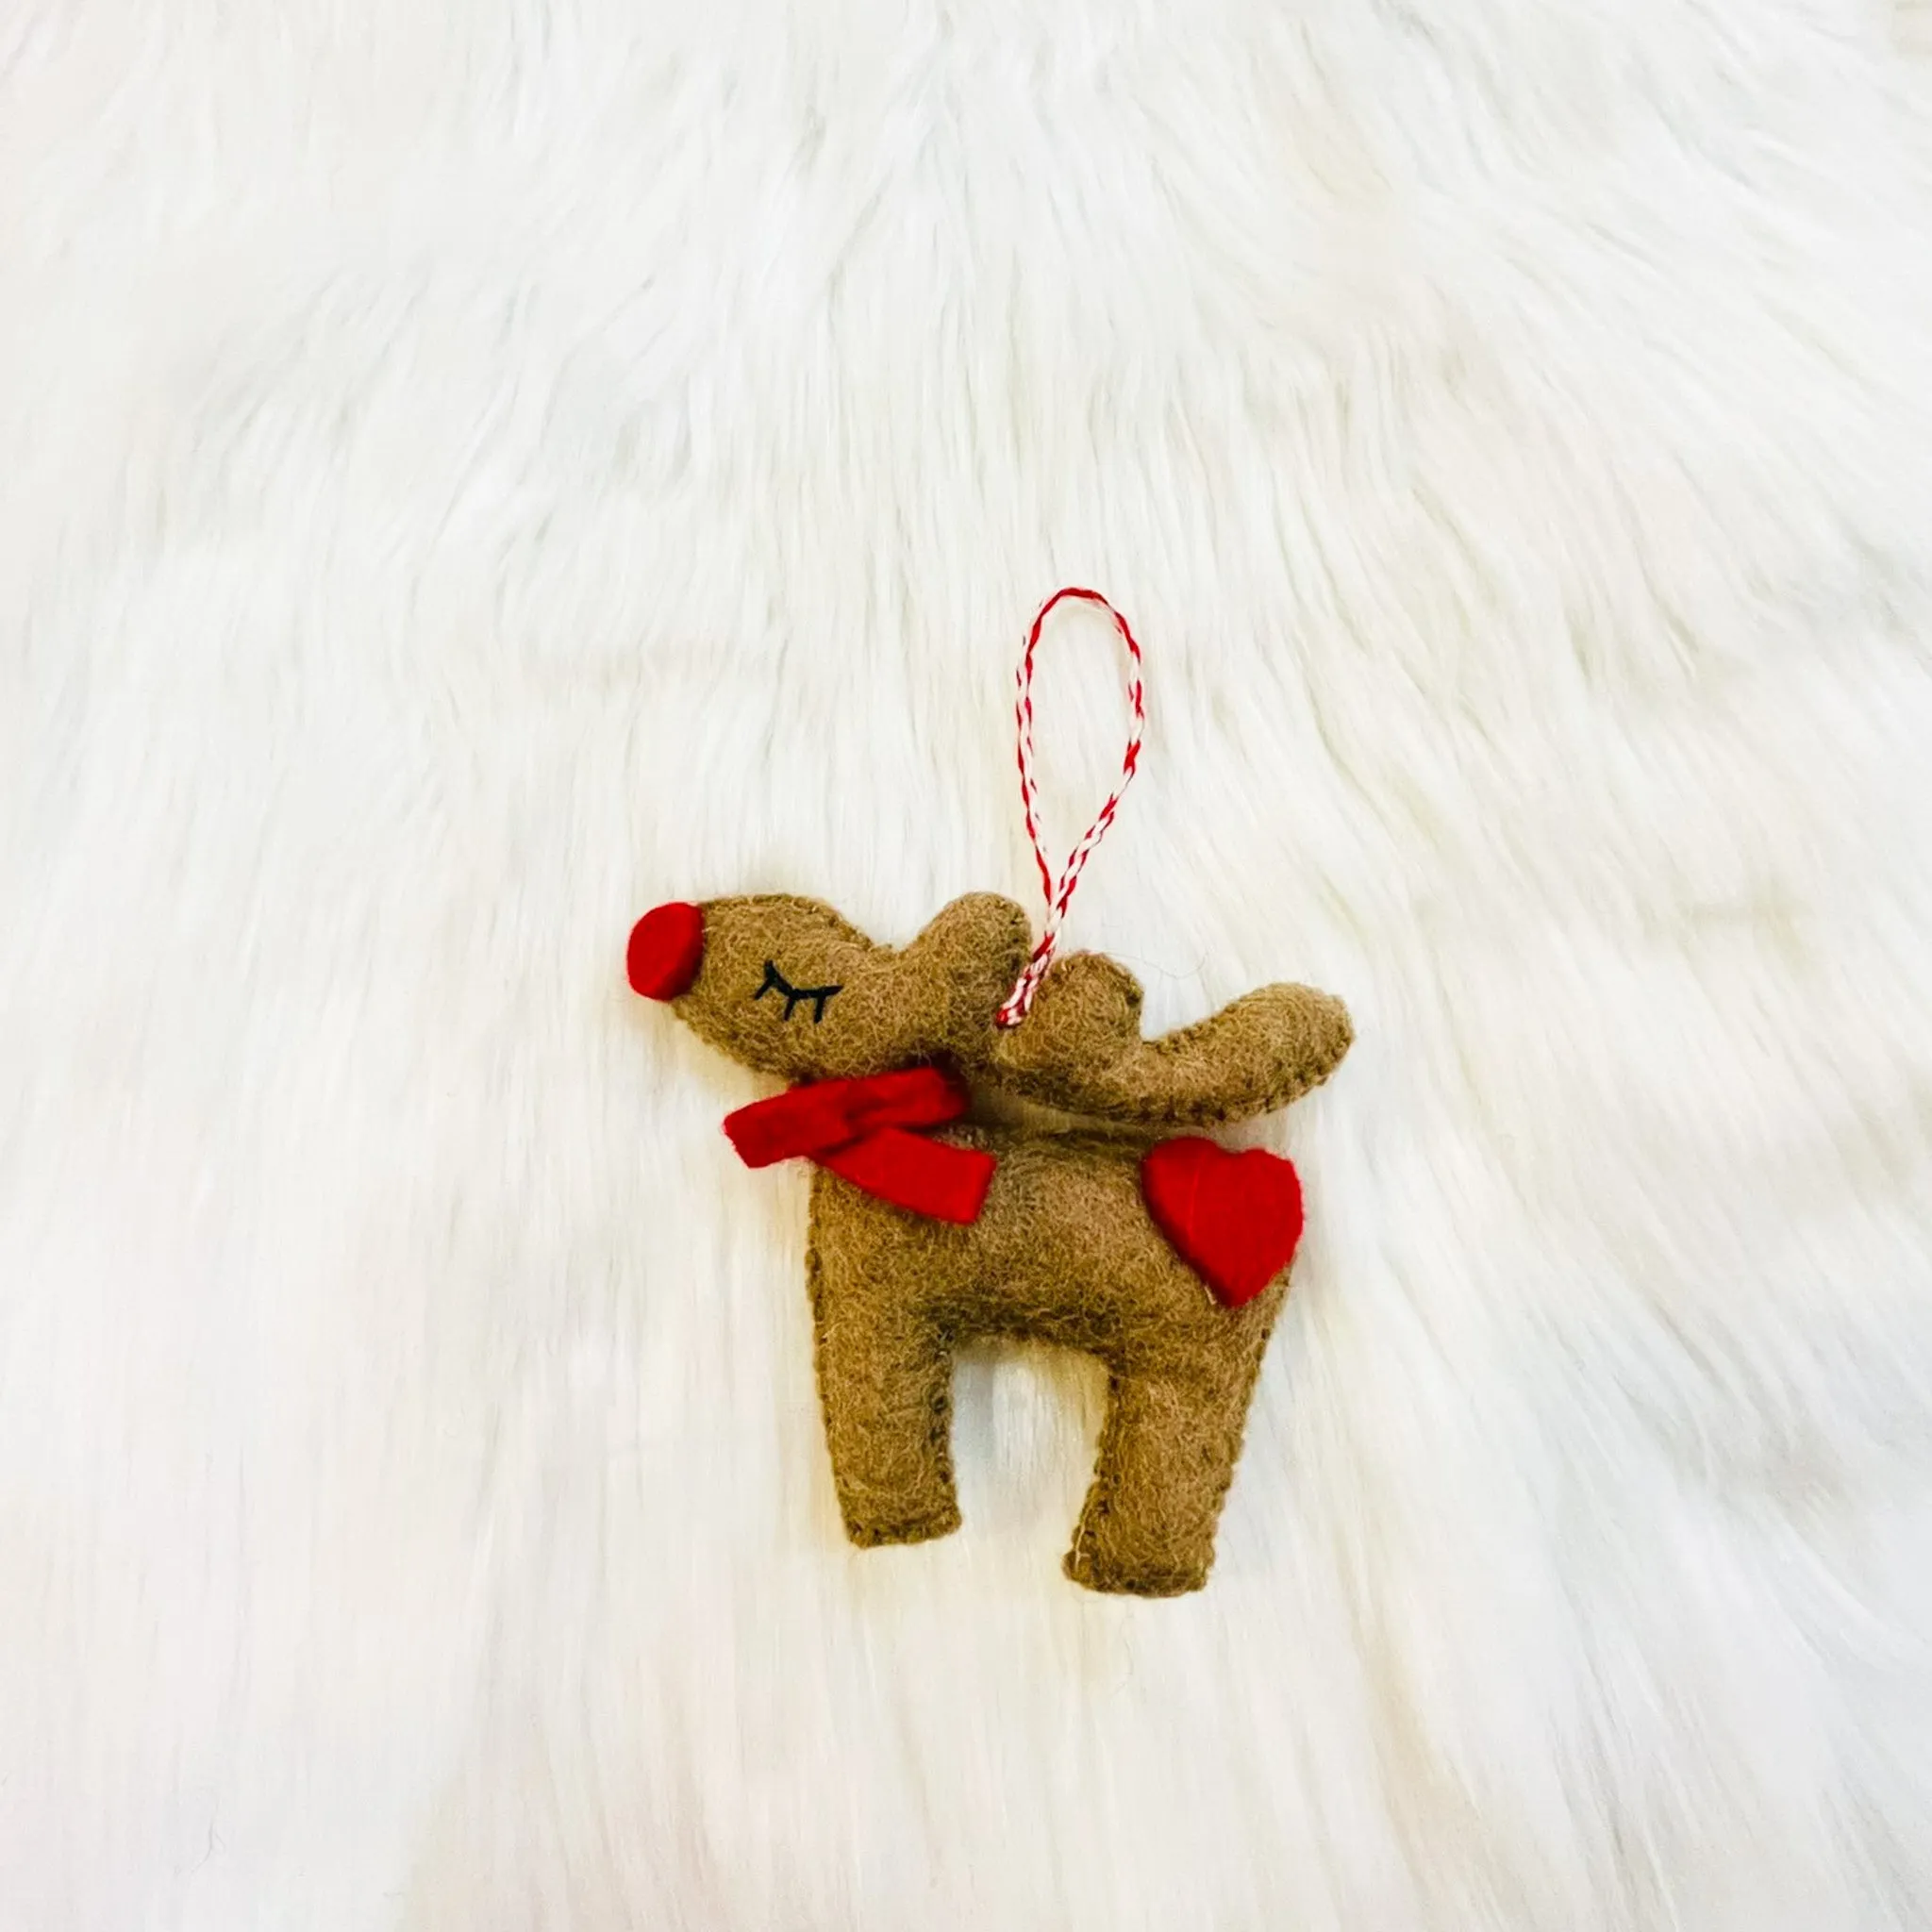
(1060,893)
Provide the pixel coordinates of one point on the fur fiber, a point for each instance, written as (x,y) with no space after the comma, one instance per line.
(471,472)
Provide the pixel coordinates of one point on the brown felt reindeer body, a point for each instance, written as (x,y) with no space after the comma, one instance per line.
(1061,1245)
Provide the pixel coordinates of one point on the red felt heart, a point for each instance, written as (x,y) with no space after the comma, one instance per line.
(1233,1218)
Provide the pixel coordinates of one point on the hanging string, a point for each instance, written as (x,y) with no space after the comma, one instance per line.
(1060,892)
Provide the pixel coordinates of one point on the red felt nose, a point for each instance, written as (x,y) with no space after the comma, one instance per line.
(665,947)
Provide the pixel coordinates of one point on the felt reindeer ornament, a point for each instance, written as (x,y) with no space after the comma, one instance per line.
(1159,1252)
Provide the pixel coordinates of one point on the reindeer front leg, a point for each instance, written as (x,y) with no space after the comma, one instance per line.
(885,1374)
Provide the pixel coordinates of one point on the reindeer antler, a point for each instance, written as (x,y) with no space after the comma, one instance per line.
(1080,1050)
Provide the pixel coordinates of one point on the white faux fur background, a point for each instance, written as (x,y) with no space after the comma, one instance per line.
(471,472)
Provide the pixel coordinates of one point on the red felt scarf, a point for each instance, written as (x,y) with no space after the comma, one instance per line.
(858,1128)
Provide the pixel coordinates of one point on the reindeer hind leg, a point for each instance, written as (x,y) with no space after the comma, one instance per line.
(1167,1455)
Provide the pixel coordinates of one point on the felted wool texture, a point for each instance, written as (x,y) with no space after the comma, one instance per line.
(1062,1250)
(1079,1049)
(473,473)
(1062,1253)
(892,1008)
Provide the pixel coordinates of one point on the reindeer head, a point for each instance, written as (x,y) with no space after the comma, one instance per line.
(785,985)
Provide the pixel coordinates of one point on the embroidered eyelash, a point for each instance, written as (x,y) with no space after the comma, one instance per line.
(775,982)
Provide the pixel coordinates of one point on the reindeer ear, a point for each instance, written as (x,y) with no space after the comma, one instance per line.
(960,969)
(978,928)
